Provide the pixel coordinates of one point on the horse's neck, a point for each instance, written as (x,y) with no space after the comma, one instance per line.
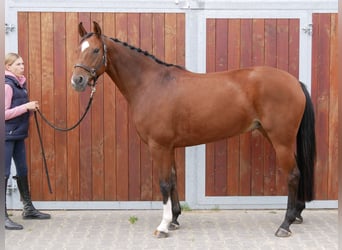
(128,68)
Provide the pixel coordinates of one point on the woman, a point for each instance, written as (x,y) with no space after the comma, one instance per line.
(17,112)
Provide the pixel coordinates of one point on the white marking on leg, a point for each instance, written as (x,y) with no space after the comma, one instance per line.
(84,45)
(167,217)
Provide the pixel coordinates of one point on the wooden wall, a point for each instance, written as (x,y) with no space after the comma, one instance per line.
(325,98)
(102,159)
(245,165)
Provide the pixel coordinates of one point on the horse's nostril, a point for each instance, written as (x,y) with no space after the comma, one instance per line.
(77,79)
(80,79)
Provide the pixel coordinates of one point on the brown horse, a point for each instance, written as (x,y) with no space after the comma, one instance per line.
(172,107)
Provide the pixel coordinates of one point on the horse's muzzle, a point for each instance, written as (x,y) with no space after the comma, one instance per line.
(79,82)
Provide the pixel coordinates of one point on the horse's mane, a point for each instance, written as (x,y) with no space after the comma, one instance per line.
(146,53)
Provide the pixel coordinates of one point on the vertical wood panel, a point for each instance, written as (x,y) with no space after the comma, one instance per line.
(245,139)
(333,112)
(282,63)
(322,105)
(146,163)
(122,123)
(109,120)
(73,109)
(34,83)
(86,184)
(269,153)
(294,47)
(48,100)
(60,107)
(257,145)
(321,81)
(158,41)
(233,152)
(97,154)
(210,65)
(134,141)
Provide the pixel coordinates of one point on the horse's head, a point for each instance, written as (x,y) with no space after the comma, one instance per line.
(92,58)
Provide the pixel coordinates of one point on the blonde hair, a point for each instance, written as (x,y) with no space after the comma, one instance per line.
(10,58)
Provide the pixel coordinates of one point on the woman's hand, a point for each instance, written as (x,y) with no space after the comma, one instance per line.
(30,106)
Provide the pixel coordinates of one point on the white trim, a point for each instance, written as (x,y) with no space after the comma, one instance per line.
(169,5)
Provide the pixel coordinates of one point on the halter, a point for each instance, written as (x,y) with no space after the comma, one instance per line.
(93,70)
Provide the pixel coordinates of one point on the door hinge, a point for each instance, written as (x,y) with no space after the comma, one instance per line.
(9,28)
(308,29)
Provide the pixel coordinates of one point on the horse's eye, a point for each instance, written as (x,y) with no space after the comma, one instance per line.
(96,50)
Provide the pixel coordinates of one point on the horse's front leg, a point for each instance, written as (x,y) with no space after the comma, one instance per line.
(176,208)
(164,159)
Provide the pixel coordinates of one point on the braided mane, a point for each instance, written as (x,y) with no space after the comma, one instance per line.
(145,53)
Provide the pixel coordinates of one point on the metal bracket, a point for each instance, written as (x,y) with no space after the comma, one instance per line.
(190,4)
(9,28)
(308,29)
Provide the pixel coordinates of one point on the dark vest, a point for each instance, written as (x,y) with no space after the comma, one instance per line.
(17,128)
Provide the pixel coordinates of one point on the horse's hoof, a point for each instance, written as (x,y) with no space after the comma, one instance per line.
(173,226)
(159,234)
(298,220)
(281,232)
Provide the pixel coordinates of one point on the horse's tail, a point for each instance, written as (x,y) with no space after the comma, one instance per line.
(306,150)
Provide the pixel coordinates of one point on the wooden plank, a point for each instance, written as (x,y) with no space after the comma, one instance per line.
(220,147)
(322,106)
(48,101)
(294,47)
(180,43)
(245,139)
(170,38)
(210,67)
(122,124)
(134,140)
(85,134)
(233,144)
(333,111)
(60,107)
(282,63)
(257,149)
(282,44)
(34,85)
(97,133)
(73,107)
(145,160)
(109,122)
(180,60)
(158,41)
(269,153)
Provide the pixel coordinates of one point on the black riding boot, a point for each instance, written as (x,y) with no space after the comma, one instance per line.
(29,211)
(9,224)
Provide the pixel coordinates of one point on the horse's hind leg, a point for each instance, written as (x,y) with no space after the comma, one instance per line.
(287,161)
(300,206)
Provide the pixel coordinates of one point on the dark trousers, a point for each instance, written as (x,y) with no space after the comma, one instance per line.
(15,149)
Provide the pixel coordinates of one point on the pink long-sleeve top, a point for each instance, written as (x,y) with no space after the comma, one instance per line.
(16,111)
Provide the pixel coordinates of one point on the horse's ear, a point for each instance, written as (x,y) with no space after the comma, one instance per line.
(81,30)
(97,29)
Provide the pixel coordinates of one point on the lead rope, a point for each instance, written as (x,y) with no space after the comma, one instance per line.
(93,90)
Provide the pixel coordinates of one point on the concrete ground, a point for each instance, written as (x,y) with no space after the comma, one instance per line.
(200,229)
